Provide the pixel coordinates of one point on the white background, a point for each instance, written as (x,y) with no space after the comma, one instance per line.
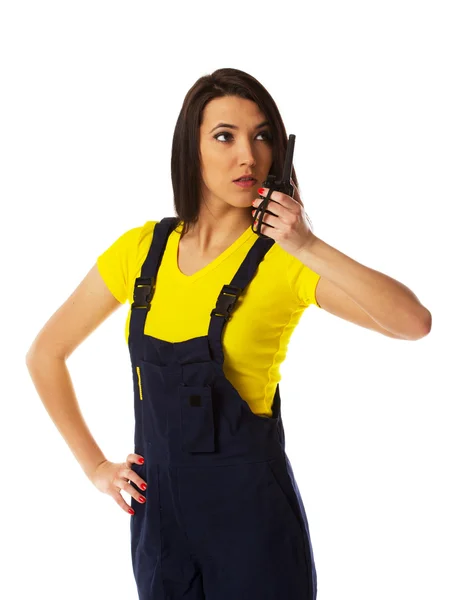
(90,94)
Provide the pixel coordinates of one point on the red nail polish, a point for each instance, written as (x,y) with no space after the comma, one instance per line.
(143,486)
(141,499)
(131,511)
(141,460)
(260,190)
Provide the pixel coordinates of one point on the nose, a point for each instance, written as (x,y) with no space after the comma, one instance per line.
(246,156)
(250,162)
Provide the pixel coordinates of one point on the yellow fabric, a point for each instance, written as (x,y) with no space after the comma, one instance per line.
(255,340)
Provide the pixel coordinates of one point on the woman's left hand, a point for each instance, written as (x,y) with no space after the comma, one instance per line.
(287,225)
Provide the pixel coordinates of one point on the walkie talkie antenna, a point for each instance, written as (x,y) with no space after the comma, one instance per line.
(287,169)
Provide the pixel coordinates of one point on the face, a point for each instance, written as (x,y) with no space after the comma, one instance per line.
(227,153)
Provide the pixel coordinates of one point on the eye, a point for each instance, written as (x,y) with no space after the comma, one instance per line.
(264,133)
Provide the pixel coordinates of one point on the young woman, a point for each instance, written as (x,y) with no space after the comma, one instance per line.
(222,516)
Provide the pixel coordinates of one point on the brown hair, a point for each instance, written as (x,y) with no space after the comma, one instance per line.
(185,159)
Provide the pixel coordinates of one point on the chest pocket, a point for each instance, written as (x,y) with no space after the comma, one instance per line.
(196,410)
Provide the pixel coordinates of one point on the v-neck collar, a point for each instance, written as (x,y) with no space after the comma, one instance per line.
(174,240)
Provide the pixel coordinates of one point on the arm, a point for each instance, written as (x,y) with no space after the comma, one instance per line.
(367,297)
(87,307)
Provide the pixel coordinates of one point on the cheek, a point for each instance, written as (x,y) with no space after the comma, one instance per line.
(216,172)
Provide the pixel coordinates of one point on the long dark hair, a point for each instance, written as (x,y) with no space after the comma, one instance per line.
(185,159)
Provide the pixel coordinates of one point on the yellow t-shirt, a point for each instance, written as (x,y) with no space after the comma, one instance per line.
(255,340)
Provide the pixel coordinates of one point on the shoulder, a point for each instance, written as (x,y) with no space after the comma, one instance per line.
(143,238)
(119,263)
(132,240)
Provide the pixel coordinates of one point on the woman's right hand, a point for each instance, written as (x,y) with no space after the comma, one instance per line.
(110,478)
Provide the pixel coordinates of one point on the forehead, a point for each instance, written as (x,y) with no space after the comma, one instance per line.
(231,109)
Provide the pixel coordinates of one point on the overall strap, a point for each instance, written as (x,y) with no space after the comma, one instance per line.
(230,293)
(144,286)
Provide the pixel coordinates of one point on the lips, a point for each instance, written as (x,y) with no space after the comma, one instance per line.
(246,179)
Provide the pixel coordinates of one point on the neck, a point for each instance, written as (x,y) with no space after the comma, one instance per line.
(213,234)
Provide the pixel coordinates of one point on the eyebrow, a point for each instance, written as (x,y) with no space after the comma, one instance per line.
(235,126)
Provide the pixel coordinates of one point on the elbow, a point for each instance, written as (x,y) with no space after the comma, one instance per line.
(29,358)
(31,354)
(425,326)
(427,322)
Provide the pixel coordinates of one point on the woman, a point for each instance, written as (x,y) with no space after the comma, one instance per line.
(222,516)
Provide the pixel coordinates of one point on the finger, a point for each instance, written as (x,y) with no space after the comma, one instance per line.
(134,493)
(274,208)
(278,197)
(270,220)
(257,213)
(126,475)
(267,221)
(126,486)
(121,502)
(134,459)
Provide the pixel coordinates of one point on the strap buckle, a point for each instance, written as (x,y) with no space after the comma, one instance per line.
(143,292)
(226,301)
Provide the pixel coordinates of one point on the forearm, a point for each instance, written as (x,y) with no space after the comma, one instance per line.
(53,383)
(390,303)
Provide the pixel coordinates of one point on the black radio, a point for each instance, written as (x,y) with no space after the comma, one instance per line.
(282,185)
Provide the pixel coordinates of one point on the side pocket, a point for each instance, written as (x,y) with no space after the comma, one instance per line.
(284,489)
(139,382)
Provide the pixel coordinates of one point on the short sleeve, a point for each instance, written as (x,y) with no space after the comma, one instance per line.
(118,262)
(303,282)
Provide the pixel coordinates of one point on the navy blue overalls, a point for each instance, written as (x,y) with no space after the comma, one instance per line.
(223,519)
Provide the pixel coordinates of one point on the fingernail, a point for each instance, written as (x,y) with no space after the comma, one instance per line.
(143,486)
(141,499)
(141,460)
(131,511)
(260,190)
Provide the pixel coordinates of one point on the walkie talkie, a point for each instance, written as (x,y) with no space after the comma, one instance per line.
(282,185)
